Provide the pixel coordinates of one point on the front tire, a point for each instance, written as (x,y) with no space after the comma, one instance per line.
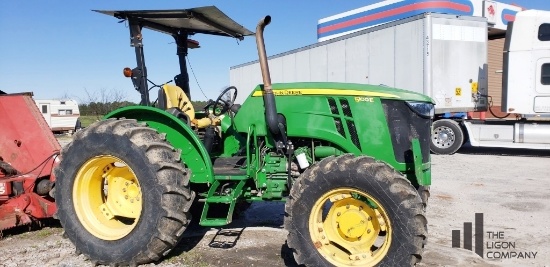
(354,211)
(123,193)
(447,137)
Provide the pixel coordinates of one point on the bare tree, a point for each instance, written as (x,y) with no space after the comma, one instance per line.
(102,101)
(104,96)
(67,96)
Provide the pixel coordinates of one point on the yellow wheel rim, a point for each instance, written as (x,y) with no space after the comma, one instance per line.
(107,197)
(350,228)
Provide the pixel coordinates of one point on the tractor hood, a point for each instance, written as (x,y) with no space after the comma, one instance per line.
(343,89)
(206,20)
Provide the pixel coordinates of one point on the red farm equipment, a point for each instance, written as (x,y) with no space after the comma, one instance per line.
(28,153)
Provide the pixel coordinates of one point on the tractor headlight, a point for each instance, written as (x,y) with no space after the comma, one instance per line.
(423,109)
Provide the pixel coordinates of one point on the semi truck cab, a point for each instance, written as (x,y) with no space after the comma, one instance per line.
(525,88)
(526,73)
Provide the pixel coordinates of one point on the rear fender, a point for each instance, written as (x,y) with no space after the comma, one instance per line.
(179,134)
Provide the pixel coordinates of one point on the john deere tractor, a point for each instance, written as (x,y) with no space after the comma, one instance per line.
(351,161)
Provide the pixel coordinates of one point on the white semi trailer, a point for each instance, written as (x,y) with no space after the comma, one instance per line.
(444,57)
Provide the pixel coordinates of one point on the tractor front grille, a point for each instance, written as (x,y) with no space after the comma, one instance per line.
(405,125)
(345,120)
(339,127)
(353,133)
(350,124)
(337,121)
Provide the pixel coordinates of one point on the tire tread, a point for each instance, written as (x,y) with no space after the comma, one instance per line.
(166,158)
(369,167)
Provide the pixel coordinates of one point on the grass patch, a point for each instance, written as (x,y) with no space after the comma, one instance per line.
(45,232)
(87,120)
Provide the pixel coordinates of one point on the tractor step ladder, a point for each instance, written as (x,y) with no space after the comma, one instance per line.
(216,201)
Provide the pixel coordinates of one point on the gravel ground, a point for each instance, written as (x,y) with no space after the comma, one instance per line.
(510,187)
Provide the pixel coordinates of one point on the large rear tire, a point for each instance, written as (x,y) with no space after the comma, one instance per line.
(447,137)
(354,211)
(122,193)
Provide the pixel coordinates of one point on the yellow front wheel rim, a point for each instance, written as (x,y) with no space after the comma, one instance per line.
(350,228)
(107,197)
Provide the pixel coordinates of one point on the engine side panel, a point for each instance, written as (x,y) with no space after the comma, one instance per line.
(358,124)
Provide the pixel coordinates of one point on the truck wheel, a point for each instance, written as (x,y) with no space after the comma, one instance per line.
(354,211)
(122,193)
(447,137)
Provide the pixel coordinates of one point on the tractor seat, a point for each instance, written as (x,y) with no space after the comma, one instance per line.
(174,100)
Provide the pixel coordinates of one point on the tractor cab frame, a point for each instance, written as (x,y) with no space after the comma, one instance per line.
(180,24)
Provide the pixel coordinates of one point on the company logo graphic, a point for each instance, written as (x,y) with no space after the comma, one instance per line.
(491,10)
(497,246)
(468,235)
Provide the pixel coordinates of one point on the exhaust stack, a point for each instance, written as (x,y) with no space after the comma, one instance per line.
(267,92)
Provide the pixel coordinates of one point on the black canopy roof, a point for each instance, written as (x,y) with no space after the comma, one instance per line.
(206,20)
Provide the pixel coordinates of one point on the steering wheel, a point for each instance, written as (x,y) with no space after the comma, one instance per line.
(224,105)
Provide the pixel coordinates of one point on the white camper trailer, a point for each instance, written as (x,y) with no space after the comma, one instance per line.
(61,115)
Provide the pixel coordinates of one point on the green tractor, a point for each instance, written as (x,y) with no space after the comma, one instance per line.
(350,161)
